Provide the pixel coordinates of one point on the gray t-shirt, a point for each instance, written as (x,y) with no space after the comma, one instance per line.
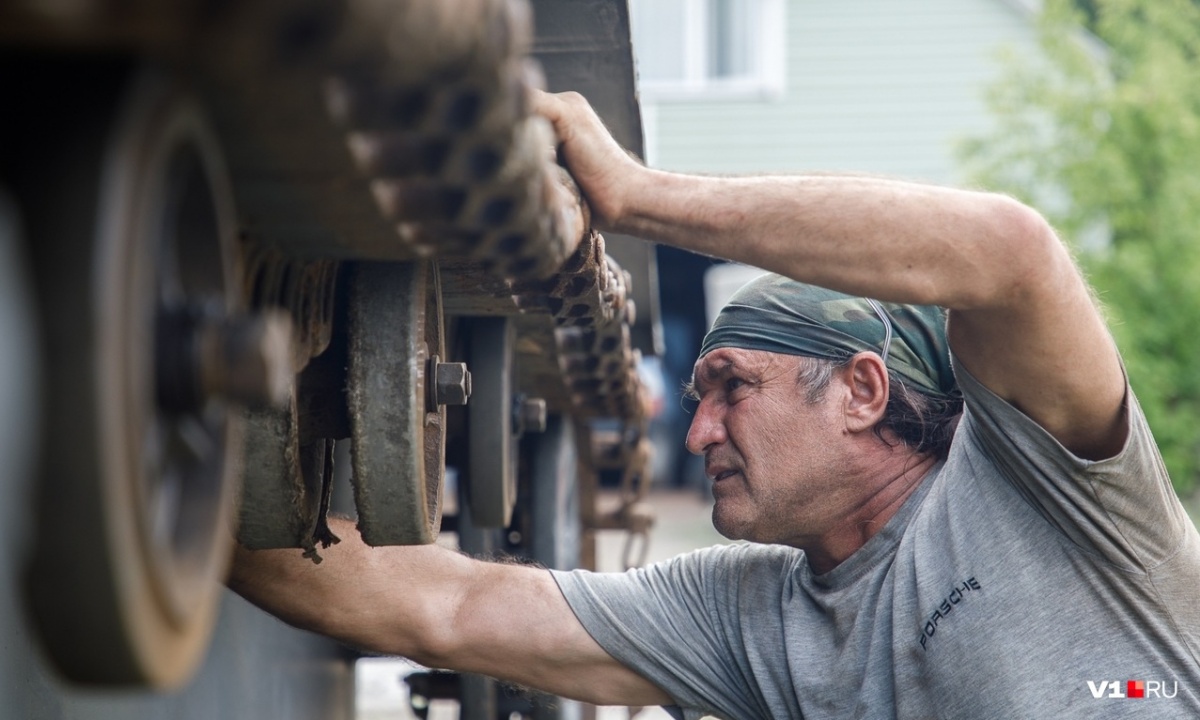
(1018,581)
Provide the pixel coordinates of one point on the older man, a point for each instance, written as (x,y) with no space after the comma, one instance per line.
(1027,560)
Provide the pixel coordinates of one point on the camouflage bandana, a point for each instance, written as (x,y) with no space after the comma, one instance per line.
(776,314)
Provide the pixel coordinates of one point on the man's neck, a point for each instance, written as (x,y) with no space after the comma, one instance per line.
(865,520)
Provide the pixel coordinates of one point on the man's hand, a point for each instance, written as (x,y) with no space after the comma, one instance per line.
(604,171)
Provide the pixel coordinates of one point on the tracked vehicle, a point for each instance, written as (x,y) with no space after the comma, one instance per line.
(271,259)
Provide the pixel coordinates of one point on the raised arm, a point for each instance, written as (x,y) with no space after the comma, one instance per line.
(1022,319)
(444,610)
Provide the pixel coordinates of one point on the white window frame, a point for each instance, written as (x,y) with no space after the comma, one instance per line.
(766,83)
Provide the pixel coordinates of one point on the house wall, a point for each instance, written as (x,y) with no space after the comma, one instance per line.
(878,86)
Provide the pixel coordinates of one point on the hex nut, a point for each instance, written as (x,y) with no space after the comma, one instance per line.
(452,382)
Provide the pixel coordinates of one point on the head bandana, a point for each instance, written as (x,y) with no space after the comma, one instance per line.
(780,315)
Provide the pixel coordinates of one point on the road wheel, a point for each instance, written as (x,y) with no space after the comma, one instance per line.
(492,441)
(132,233)
(398,424)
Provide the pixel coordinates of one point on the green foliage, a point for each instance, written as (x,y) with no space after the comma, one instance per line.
(1102,134)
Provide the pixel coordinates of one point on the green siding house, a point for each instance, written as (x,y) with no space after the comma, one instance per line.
(874,86)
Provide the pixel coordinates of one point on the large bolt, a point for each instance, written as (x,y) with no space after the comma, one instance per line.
(247,360)
(201,355)
(452,383)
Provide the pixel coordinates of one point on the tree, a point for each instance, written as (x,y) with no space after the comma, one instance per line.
(1103,134)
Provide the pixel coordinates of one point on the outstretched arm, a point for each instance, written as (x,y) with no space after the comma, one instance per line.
(443,610)
(1021,317)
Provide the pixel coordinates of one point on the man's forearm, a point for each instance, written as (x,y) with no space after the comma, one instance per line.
(893,240)
(876,237)
(441,609)
(381,599)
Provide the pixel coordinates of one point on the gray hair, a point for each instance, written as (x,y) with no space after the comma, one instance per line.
(918,420)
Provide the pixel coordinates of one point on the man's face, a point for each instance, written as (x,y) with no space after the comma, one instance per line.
(774,457)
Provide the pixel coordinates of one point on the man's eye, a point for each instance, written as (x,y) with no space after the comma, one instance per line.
(733,384)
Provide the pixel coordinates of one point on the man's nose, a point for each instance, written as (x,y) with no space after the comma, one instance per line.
(707,429)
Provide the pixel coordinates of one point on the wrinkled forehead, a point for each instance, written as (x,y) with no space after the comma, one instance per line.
(725,361)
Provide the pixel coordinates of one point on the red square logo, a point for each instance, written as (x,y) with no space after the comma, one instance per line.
(1135,689)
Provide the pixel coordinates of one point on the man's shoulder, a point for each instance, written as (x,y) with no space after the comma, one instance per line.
(716,565)
(741,556)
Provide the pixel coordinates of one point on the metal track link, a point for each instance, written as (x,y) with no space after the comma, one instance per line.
(358,129)
(589,299)
(304,288)
(438,118)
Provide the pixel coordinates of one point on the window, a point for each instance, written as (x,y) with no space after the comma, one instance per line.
(708,48)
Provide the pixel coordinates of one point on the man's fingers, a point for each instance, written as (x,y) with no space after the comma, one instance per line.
(555,108)
(595,160)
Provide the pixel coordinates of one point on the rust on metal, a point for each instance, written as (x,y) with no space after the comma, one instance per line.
(397,441)
(277,508)
(304,288)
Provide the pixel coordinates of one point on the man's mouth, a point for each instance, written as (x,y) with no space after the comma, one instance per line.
(719,475)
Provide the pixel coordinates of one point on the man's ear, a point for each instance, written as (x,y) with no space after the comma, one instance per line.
(867,380)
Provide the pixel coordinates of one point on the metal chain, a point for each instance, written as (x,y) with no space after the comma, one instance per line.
(631,452)
(637,516)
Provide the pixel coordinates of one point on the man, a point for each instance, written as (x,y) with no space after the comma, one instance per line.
(1037,565)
